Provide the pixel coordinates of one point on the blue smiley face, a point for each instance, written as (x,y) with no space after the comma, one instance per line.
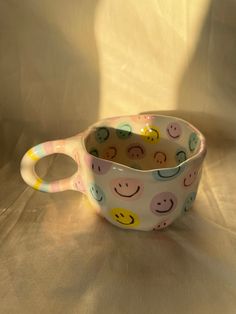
(189,201)
(124,131)
(167,174)
(97,193)
(193,141)
(180,155)
(102,134)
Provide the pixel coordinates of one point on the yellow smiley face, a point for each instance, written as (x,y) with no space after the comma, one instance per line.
(150,134)
(124,217)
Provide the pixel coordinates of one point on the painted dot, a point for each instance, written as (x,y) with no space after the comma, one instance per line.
(180,155)
(94,152)
(124,131)
(193,141)
(167,174)
(188,203)
(136,151)
(97,193)
(102,134)
(125,218)
(97,165)
(150,134)
(163,203)
(174,130)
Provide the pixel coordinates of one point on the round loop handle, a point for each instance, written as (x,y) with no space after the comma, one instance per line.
(69,147)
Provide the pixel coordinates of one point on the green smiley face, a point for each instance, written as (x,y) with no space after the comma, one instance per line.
(124,131)
(180,156)
(189,201)
(102,134)
(97,193)
(193,141)
(94,152)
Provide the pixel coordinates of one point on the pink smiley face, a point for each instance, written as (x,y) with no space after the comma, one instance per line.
(110,153)
(159,158)
(163,203)
(161,225)
(78,184)
(127,188)
(190,176)
(174,130)
(98,166)
(136,151)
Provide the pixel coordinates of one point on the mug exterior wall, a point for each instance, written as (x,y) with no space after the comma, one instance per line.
(141,200)
(133,188)
(136,195)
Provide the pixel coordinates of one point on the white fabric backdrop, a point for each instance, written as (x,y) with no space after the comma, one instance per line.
(66,64)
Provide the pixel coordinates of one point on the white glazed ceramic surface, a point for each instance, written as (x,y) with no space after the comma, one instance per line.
(140,172)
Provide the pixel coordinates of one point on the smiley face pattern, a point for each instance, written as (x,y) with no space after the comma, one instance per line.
(144,143)
(143,200)
(127,188)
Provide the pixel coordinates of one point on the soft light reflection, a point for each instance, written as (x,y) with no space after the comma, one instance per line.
(64,218)
(142,62)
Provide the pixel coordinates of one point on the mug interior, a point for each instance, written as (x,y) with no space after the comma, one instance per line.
(144,142)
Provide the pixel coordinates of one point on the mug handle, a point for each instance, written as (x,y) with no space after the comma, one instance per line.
(69,147)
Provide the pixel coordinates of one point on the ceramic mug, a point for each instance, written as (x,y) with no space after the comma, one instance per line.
(140,172)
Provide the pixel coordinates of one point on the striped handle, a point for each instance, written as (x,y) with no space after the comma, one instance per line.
(70,147)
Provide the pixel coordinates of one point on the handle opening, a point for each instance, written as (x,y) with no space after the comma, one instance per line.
(68,147)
